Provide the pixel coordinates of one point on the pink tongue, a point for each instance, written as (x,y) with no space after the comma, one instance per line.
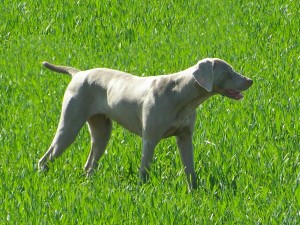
(235,94)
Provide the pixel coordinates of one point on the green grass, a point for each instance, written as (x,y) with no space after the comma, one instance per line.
(246,153)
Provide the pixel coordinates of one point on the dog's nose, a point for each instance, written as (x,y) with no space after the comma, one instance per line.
(249,82)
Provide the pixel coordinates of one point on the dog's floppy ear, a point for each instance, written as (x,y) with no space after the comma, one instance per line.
(204,74)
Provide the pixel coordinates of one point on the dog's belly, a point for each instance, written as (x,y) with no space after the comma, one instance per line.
(129,121)
(172,131)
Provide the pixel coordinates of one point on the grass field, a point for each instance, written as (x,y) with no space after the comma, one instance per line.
(247,153)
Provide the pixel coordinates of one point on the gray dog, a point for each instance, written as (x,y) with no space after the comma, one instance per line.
(153,107)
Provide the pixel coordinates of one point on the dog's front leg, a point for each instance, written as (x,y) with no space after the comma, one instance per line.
(185,146)
(147,156)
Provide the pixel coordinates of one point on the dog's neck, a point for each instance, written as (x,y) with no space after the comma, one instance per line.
(190,89)
(191,93)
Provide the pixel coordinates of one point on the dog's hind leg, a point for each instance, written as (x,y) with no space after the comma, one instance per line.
(100,129)
(71,121)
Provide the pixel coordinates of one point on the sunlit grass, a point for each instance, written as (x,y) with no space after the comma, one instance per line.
(246,153)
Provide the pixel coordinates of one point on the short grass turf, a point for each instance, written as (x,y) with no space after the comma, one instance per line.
(246,153)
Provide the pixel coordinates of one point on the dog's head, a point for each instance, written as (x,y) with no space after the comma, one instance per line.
(215,75)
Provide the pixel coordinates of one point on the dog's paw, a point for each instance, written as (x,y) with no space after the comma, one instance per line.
(43,167)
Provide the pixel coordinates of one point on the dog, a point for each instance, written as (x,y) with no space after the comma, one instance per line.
(154,107)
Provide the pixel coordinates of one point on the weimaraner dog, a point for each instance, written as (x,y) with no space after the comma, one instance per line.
(154,108)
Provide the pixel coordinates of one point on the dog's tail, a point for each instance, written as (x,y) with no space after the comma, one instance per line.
(61,69)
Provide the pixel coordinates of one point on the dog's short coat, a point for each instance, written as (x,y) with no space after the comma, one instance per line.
(153,107)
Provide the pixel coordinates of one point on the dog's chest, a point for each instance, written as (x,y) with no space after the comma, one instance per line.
(180,123)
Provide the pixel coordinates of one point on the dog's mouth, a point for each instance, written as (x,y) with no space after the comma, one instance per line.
(236,95)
